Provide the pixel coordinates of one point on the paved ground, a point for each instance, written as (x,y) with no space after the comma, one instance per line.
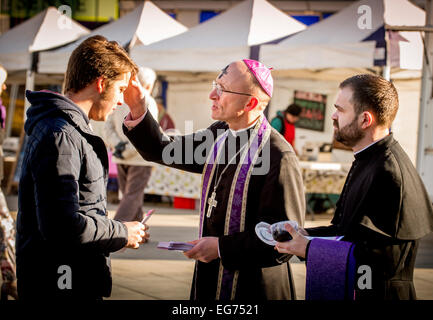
(149,273)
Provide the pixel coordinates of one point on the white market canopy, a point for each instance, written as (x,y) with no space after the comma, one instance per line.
(347,39)
(46,30)
(216,42)
(145,24)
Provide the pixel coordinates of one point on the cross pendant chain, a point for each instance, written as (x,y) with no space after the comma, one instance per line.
(212,204)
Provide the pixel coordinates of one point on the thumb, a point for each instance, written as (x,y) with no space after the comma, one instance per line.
(194,242)
(291,230)
(134,83)
(133,80)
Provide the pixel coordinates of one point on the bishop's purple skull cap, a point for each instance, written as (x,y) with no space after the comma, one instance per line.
(262,73)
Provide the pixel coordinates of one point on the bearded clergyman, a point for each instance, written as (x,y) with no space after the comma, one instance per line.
(382,213)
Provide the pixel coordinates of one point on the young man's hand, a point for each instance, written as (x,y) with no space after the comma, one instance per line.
(136,234)
(134,97)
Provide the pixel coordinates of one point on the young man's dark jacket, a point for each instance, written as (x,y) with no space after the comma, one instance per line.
(62,205)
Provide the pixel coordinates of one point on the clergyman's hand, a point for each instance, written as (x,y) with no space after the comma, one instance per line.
(302,231)
(134,97)
(297,246)
(205,249)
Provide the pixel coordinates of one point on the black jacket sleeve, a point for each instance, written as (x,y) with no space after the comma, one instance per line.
(325,231)
(184,152)
(56,171)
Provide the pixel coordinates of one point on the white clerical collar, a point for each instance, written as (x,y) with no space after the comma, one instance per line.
(235,132)
(355,153)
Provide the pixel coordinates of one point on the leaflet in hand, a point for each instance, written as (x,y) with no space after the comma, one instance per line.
(179,246)
(269,233)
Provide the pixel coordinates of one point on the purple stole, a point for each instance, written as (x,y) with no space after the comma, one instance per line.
(331,270)
(236,206)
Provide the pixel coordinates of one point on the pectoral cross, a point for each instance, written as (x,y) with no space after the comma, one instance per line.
(212,204)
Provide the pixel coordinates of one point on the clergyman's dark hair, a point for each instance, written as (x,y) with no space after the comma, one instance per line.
(373,93)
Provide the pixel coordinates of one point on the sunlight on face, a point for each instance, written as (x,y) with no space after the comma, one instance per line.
(111,97)
(228,106)
(345,119)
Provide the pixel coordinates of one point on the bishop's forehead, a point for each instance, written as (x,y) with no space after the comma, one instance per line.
(224,71)
(233,72)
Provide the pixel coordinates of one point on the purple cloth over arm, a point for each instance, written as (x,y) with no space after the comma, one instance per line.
(2,114)
(330,270)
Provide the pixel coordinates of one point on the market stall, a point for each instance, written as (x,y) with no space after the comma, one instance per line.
(230,36)
(318,59)
(144,25)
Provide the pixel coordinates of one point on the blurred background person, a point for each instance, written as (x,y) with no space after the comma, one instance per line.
(164,119)
(133,172)
(284,123)
(7,224)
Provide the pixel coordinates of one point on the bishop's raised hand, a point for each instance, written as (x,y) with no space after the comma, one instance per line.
(134,97)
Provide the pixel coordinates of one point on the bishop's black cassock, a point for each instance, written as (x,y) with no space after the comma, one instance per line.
(384,209)
(275,196)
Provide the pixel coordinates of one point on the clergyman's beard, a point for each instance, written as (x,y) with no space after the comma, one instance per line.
(350,134)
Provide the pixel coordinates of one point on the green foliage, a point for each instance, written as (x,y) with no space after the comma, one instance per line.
(29,8)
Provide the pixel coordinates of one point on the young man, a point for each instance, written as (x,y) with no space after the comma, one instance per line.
(250,174)
(64,236)
(384,208)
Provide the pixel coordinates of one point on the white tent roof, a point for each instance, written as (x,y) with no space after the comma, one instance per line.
(145,24)
(46,30)
(339,41)
(215,43)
